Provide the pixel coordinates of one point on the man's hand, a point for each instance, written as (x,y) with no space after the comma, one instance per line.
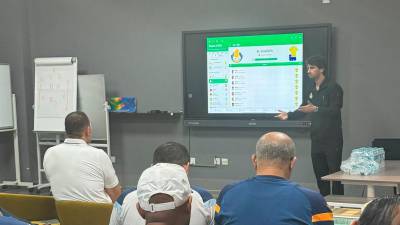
(308,108)
(282,115)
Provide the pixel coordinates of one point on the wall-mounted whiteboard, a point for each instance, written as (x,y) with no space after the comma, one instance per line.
(55,92)
(6,112)
(91,100)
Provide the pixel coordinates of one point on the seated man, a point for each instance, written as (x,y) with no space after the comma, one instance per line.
(78,171)
(164,195)
(382,211)
(270,198)
(173,152)
(124,211)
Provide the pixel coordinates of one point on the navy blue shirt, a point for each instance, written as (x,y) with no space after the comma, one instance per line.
(205,195)
(124,193)
(7,220)
(270,200)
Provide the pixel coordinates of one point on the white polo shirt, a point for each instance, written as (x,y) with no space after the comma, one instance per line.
(77,171)
(127,214)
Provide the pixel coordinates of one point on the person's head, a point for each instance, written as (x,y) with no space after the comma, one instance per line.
(164,195)
(172,152)
(77,125)
(382,211)
(316,66)
(275,155)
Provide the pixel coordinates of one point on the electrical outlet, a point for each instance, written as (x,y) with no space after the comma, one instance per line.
(217,161)
(192,161)
(225,161)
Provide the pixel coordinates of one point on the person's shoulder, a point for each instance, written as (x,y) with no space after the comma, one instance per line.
(311,195)
(230,191)
(99,156)
(298,191)
(196,194)
(49,151)
(319,208)
(204,193)
(92,148)
(334,85)
(337,86)
(97,151)
(56,147)
(130,198)
(234,186)
(52,151)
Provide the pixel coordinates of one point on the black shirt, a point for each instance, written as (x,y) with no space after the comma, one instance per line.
(326,123)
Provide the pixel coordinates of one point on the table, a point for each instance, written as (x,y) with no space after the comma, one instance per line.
(340,201)
(388,176)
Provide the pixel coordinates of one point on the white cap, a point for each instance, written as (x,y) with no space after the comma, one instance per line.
(165,178)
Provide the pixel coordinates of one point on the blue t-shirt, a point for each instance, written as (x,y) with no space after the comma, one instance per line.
(7,220)
(205,195)
(270,200)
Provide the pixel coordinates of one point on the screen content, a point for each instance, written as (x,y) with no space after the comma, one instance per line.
(254,74)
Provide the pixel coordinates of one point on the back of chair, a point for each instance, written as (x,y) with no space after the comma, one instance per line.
(29,207)
(83,213)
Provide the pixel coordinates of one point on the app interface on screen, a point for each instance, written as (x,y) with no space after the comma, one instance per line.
(254,74)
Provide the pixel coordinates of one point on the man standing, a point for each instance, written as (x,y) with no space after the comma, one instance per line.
(324,103)
(78,171)
(270,198)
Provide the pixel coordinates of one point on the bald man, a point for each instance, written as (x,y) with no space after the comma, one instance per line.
(269,197)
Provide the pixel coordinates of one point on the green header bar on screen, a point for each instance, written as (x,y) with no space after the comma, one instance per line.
(216,44)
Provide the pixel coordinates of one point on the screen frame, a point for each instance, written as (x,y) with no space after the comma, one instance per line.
(245,120)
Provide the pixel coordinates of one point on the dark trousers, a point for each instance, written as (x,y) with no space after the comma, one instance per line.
(326,159)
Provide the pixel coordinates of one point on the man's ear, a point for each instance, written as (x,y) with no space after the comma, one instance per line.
(87,132)
(254,161)
(293,162)
(141,211)
(90,130)
(186,167)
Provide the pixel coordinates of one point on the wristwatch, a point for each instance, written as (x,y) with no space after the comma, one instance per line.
(316,109)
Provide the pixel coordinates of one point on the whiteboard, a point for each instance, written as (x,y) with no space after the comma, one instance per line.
(55,92)
(6,112)
(91,99)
